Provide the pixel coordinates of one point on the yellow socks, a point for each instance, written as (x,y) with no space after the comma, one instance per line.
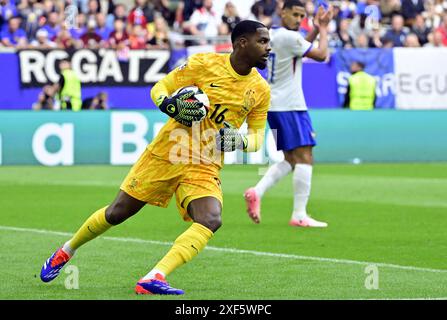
(95,225)
(185,247)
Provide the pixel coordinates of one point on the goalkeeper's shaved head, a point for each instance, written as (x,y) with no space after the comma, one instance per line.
(245,28)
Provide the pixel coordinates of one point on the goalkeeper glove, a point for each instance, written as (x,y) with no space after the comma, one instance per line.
(183,108)
(229,139)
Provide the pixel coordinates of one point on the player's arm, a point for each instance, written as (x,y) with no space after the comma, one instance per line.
(179,106)
(322,21)
(312,35)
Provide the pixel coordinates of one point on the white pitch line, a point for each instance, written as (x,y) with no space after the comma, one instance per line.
(239,251)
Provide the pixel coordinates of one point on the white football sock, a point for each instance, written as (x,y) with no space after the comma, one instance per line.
(272,176)
(67,249)
(302,177)
(152,273)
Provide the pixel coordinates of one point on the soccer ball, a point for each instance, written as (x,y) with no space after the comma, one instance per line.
(198,94)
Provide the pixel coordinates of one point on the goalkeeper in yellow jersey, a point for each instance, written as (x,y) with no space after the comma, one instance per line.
(186,156)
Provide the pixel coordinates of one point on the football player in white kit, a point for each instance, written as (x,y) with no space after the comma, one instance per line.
(288,111)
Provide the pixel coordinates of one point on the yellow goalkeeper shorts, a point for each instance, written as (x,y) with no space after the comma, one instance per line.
(155,180)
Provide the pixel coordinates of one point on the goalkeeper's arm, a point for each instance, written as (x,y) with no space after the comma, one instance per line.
(229,139)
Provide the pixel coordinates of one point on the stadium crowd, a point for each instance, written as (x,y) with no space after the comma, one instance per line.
(145,24)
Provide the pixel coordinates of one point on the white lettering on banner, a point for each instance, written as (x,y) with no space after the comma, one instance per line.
(38,67)
(65,155)
(161,58)
(119,137)
(152,74)
(32,63)
(342,81)
(50,64)
(385,83)
(109,67)
(86,71)
(421,78)
(134,64)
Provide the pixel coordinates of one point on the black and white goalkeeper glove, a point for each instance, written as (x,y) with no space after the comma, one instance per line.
(229,139)
(183,108)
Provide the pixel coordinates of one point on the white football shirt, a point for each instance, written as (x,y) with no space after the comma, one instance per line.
(285,69)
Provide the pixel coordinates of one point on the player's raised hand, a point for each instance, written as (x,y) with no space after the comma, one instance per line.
(183,107)
(323,17)
(229,139)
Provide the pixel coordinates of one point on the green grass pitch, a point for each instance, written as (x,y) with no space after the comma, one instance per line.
(390,216)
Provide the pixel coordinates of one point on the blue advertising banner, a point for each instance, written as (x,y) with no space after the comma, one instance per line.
(378,62)
(15,97)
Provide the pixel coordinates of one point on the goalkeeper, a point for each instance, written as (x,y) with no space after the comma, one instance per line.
(172,165)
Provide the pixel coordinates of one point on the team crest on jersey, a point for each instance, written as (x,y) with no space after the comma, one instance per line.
(249,99)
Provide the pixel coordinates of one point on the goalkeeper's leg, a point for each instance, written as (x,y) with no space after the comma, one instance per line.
(123,207)
(206,214)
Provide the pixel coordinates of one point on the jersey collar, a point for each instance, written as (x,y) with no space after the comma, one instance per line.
(232,71)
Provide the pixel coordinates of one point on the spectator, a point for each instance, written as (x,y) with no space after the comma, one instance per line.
(230,17)
(343,37)
(64,40)
(98,102)
(442,29)
(90,39)
(276,16)
(263,11)
(434,40)
(7,11)
(204,22)
(118,13)
(307,22)
(42,41)
(412,41)
(79,28)
(432,14)
(362,41)
(388,8)
(141,14)
(420,29)
(375,40)
(397,34)
(361,92)
(52,26)
(358,25)
(30,11)
(46,99)
(82,5)
(48,6)
(69,87)
(347,9)
(119,37)
(101,29)
(186,9)
(163,7)
(92,9)
(159,39)
(13,35)
(138,38)
(410,9)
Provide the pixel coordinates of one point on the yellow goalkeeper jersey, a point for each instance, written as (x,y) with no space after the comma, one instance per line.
(233,99)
